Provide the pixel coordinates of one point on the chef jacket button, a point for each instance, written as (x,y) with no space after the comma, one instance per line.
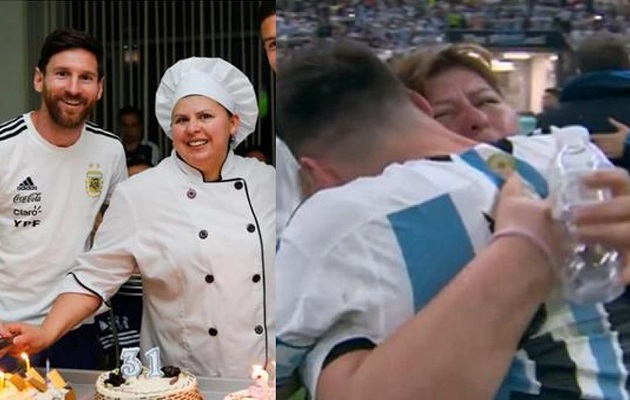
(191,194)
(238,185)
(251,228)
(203,234)
(256,278)
(209,278)
(259,329)
(212,332)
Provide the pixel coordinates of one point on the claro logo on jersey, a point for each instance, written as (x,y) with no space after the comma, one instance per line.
(26,204)
(94,180)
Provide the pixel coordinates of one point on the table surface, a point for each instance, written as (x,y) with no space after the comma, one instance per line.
(211,388)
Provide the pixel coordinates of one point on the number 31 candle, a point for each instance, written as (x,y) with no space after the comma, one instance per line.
(132,366)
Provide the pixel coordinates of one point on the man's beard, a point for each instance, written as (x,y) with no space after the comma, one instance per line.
(62,117)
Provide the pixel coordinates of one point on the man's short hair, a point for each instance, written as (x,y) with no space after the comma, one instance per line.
(602,51)
(333,90)
(266,10)
(129,109)
(554,91)
(68,39)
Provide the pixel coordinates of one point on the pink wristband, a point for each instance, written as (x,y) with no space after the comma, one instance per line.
(531,238)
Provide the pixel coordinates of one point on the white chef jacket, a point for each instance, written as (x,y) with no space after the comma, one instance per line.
(205,251)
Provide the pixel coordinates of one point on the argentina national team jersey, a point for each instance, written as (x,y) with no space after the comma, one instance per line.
(49,199)
(359,260)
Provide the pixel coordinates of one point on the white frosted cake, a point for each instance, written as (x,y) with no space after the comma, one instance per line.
(182,386)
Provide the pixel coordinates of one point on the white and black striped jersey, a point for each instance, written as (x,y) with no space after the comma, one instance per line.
(49,198)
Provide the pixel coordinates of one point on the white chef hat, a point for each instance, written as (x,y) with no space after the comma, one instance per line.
(211,77)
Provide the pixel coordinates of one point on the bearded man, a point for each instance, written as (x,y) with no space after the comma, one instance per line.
(57,173)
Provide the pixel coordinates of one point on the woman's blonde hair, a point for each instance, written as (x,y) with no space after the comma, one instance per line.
(417,67)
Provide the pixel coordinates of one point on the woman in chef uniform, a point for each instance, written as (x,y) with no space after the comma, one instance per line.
(200,227)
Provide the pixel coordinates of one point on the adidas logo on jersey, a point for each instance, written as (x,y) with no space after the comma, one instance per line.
(27,185)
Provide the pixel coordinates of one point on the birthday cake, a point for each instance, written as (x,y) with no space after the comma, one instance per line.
(174,384)
(32,386)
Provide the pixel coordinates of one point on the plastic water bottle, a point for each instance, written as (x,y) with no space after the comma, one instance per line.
(591,273)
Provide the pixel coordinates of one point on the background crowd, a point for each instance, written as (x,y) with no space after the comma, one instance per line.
(396,25)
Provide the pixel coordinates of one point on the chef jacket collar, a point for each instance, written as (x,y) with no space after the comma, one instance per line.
(195,175)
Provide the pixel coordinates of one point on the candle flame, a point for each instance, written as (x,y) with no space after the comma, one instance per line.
(26,360)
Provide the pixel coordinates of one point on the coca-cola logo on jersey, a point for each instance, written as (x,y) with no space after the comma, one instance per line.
(27,198)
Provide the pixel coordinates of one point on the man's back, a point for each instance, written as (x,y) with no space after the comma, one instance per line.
(591,99)
(386,246)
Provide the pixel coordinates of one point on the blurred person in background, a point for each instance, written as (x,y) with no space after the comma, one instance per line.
(138,150)
(600,92)
(252,150)
(550,99)
(134,168)
(288,192)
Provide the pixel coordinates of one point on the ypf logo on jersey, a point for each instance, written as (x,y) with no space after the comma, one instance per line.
(94,180)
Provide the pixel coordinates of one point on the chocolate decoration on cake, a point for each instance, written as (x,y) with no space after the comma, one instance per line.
(170,371)
(115,379)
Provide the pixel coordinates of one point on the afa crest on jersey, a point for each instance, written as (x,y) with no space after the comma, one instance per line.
(503,164)
(94,180)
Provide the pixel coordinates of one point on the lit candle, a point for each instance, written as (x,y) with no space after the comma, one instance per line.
(28,362)
(260,376)
(1,380)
